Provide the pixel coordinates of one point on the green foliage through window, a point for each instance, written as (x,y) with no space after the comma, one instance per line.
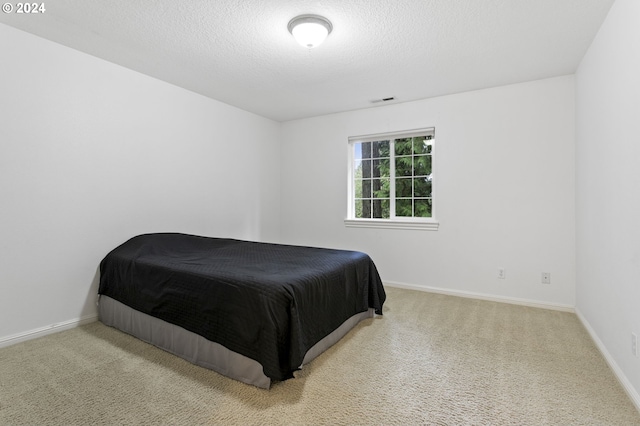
(393,178)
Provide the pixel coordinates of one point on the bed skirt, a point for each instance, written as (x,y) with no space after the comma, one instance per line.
(200,351)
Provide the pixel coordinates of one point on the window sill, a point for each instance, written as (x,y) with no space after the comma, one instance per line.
(430,225)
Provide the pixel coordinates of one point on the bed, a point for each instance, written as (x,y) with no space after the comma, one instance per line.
(255,312)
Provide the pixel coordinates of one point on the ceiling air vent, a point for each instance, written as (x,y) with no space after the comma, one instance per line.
(382,100)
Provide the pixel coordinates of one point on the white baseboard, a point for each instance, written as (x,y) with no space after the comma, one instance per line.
(622,378)
(49,329)
(481,296)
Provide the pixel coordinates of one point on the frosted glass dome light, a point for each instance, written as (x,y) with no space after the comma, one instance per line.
(309,30)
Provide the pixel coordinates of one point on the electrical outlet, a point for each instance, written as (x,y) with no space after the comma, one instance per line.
(502,274)
(546,278)
(634,344)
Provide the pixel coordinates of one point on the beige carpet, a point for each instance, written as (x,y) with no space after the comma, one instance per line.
(431,359)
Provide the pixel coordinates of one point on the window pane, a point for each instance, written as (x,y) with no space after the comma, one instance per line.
(421,165)
(380,149)
(380,188)
(365,148)
(381,209)
(404,166)
(357,169)
(403,146)
(363,209)
(423,208)
(357,188)
(366,168)
(422,145)
(381,168)
(366,188)
(403,188)
(421,187)
(404,207)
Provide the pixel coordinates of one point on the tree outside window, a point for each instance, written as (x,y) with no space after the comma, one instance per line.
(392,177)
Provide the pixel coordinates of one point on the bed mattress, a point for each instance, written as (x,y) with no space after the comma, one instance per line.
(270,303)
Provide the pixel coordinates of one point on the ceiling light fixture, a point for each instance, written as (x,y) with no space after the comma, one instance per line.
(310,30)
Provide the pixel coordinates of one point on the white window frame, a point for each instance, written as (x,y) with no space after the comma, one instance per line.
(414,223)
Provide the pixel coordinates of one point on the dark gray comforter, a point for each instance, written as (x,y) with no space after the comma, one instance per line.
(269,302)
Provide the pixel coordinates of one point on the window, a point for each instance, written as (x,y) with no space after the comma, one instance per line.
(391,180)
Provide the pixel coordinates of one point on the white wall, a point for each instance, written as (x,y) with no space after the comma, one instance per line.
(608,188)
(504,176)
(92,154)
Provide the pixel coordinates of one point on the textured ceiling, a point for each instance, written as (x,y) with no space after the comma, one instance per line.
(240,52)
